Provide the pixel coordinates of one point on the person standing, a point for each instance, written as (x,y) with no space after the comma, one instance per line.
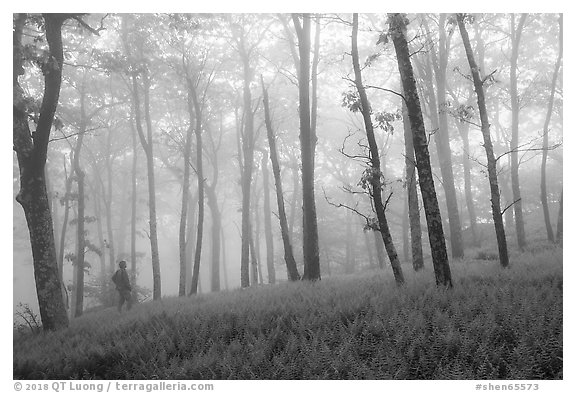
(122,281)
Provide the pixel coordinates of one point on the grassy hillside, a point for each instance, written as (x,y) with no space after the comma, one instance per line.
(494,324)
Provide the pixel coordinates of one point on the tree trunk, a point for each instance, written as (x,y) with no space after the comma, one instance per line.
(80,247)
(291,267)
(100,232)
(374,172)
(268,221)
(148,147)
(107,194)
(80,236)
(224,270)
(31,154)
(442,140)
(515,106)
(216,230)
(412,193)
(67,194)
(433,218)
(134,206)
(182,231)
(543,190)
(248,155)
(294,206)
(185,197)
(253,260)
(492,174)
(307,143)
(200,175)
(559,225)
(463,129)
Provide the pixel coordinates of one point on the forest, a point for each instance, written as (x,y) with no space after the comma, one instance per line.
(295,196)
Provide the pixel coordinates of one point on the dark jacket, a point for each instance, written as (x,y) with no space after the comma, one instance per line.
(121,280)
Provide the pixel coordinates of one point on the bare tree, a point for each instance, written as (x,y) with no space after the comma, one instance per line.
(492,174)
(307,144)
(291,267)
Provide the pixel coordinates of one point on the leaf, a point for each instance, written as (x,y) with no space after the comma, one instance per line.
(383,38)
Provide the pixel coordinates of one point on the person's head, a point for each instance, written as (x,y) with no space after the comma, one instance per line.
(122,264)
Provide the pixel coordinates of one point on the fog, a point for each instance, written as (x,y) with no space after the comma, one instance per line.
(163,58)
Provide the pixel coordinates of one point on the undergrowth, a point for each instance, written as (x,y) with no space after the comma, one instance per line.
(494,324)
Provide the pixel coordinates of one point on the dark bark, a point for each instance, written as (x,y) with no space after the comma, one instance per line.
(545,131)
(492,174)
(516,33)
(291,267)
(432,210)
(31,151)
(307,144)
(412,193)
(375,174)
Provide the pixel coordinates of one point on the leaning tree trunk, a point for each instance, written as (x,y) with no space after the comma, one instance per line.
(492,174)
(515,107)
(412,192)
(543,190)
(291,267)
(31,154)
(375,173)
(307,143)
(432,210)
